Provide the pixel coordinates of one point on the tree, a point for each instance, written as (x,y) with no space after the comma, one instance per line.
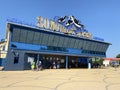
(118,56)
(101,61)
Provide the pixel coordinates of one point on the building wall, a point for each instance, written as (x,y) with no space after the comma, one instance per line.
(25,37)
(10,62)
(106,62)
(22,45)
(3,52)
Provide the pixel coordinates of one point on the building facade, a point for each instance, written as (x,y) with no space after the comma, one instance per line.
(26,44)
(3,52)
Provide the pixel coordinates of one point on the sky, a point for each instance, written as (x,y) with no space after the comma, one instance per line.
(100,17)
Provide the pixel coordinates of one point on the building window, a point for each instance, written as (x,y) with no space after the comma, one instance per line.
(16,60)
(3,48)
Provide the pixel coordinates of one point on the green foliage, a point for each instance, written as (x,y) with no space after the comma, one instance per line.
(98,60)
(118,56)
(101,61)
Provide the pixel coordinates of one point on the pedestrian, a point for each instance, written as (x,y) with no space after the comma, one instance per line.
(54,65)
(58,64)
(115,65)
(33,65)
(38,65)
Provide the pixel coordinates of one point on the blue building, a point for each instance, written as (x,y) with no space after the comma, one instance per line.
(62,41)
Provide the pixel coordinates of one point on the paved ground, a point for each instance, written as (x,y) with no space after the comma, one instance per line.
(61,79)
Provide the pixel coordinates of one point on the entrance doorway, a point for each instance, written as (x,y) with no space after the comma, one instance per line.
(78,62)
(50,61)
(28,59)
(53,61)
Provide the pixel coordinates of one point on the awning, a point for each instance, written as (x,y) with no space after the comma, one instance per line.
(111,58)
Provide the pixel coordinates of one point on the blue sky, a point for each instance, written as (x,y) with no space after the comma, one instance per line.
(100,17)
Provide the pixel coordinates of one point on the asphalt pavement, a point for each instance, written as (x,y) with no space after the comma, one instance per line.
(61,79)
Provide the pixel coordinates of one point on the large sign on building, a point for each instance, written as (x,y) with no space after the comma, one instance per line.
(66,25)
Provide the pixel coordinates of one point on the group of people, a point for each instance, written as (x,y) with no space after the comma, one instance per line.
(56,65)
(36,65)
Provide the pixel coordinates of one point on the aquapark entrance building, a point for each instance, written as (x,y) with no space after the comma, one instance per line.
(63,41)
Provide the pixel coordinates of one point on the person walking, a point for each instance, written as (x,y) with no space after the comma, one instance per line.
(115,65)
(38,65)
(33,65)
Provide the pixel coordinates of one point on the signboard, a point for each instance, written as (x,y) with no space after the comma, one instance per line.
(66,25)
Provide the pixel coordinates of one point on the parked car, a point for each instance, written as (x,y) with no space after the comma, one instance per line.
(114,64)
